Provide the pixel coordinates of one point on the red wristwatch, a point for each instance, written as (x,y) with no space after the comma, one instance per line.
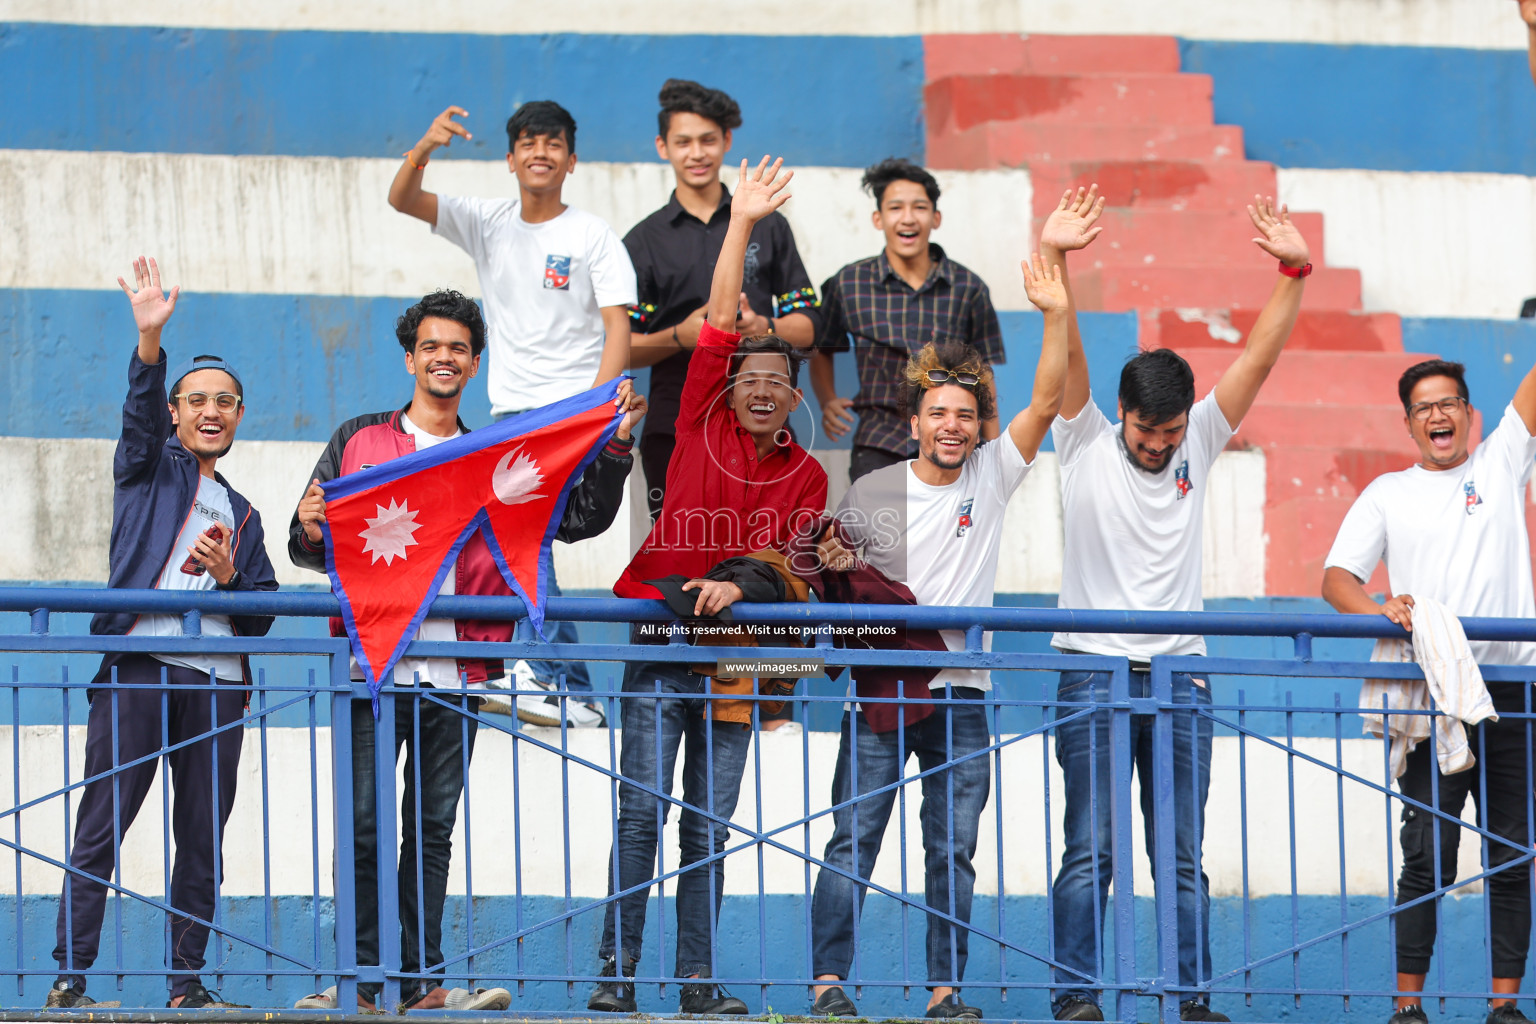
(1295,271)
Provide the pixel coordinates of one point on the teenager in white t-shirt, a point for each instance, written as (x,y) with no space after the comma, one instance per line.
(1133,494)
(1453,528)
(935,524)
(557,285)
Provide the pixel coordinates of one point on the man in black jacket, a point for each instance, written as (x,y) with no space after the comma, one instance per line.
(443,336)
(176,525)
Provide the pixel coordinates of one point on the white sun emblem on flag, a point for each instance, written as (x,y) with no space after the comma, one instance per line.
(389,533)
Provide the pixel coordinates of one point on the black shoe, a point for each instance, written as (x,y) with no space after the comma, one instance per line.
(951,1006)
(1506,1014)
(705,999)
(198,998)
(64,995)
(1409,1015)
(614,996)
(834,1002)
(1078,1008)
(1194,1009)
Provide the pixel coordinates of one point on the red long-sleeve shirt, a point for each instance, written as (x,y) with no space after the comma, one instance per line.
(722,500)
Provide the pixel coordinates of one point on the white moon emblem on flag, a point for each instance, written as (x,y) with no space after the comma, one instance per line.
(516,482)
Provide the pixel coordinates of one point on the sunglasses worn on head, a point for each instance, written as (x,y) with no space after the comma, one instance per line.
(223,401)
(970,380)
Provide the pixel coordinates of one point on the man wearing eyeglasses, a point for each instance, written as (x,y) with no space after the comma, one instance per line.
(176,525)
(1453,528)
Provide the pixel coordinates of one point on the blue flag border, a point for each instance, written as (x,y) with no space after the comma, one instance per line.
(468,443)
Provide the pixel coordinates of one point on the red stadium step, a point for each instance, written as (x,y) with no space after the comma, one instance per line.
(1144,236)
(1021,143)
(959,102)
(945,55)
(1117,289)
(1327,378)
(1316,330)
(1164,184)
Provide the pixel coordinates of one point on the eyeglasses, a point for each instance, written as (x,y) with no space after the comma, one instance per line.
(773,380)
(1422,410)
(223,401)
(970,380)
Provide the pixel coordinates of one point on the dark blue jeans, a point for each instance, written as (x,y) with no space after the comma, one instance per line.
(447,744)
(567,675)
(714,756)
(951,813)
(1082,885)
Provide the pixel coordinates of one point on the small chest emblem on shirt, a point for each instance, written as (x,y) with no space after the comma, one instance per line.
(557,272)
(1181,480)
(1473,498)
(964,520)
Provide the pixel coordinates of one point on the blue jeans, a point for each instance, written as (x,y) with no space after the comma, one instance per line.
(1079,897)
(714,757)
(444,752)
(951,813)
(566,675)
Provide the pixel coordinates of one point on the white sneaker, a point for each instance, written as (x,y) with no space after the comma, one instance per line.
(479,999)
(550,710)
(319,1001)
(493,703)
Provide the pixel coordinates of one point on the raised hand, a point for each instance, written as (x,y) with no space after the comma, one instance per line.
(760,191)
(151,306)
(1279,236)
(633,405)
(442,133)
(1071,225)
(1044,286)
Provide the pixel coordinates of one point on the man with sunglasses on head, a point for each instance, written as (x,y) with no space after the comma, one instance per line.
(933,523)
(176,525)
(1133,500)
(1452,527)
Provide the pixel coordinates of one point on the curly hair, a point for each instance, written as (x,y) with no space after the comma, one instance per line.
(445,304)
(956,357)
(681,96)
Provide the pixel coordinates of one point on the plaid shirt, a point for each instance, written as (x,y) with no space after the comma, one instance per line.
(887,320)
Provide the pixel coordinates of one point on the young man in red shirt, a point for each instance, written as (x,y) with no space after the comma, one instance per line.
(737,483)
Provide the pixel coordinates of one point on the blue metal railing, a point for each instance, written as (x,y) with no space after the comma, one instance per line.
(537,946)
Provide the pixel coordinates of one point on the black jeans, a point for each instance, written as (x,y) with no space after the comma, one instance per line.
(447,744)
(1500,786)
(133,714)
(867,460)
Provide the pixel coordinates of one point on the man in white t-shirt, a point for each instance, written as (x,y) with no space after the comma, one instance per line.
(557,285)
(1452,528)
(933,523)
(443,336)
(1133,494)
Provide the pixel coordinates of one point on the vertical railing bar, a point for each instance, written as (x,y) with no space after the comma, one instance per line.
(218,845)
(385,755)
(1197,807)
(314,819)
(855,968)
(1338,755)
(469,706)
(1391,879)
(805,829)
(419,868)
(517,839)
(1290,807)
(612,903)
(68,892)
(1166,881)
(562,681)
(901,846)
(266,823)
(1242,804)
(1122,865)
(992,715)
(1048,712)
(949,821)
(344,856)
(1435,823)
(165,820)
(16,822)
(709,825)
(762,887)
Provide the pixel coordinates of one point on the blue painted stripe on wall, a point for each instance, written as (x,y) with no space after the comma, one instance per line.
(1399,108)
(1497,354)
(1366,963)
(313,361)
(372,94)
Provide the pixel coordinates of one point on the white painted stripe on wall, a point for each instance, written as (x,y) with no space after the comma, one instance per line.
(1457,245)
(61,517)
(322,226)
(1483,24)
(785,764)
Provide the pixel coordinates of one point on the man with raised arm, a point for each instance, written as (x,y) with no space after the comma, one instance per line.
(934,524)
(1133,497)
(738,484)
(176,525)
(443,336)
(1452,528)
(557,285)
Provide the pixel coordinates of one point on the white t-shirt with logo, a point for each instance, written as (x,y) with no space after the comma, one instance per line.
(210,506)
(941,541)
(434,671)
(1133,538)
(1456,535)
(544,286)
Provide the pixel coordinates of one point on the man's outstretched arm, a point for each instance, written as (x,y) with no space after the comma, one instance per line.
(1068,228)
(1239,386)
(1048,292)
(405,192)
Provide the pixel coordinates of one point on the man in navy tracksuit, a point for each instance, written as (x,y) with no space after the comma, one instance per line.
(176,525)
